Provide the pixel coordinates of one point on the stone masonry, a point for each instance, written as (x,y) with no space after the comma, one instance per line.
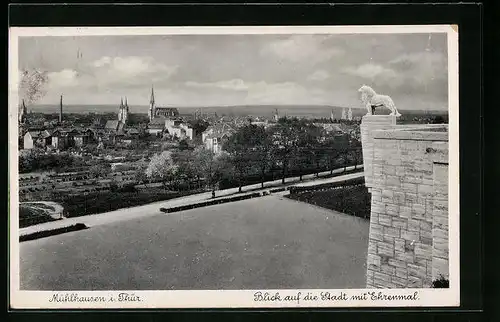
(408,180)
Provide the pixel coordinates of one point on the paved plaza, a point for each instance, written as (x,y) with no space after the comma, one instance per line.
(268,242)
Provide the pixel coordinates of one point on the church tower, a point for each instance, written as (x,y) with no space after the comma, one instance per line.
(331,116)
(125,112)
(120,111)
(152,105)
(349,114)
(22,112)
(276,116)
(344,115)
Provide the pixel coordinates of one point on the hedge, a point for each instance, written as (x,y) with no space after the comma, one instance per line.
(330,185)
(52,232)
(210,203)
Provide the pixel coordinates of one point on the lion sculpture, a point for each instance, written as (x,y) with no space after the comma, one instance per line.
(371,100)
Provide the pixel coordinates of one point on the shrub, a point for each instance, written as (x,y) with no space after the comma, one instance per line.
(441,282)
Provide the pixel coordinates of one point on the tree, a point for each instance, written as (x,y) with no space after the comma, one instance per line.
(210,166)
(285,143)
(183,144)
(99,170)
(162,168)
(32,85)
(240,146)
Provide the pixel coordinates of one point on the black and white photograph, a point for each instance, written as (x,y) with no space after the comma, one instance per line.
(252,166)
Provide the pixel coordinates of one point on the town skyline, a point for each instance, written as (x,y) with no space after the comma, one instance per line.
(186,70)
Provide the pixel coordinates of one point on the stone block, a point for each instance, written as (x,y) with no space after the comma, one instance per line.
(385,220)
(427,234)
(376,228)
(424,189)
(441,205)
(440,253)
(409,187)
(393,181)
(392,232)
(373,261)
(425,225)
(376,237)
(390,270)
(381,277)
(423,251)
(411,197)
(417,271)
(439,233)
(400,282)
(426,240)
(405,212)
(392,209)
(378,207)
(440,266)
(414,225)
(399,223)
(414,282)
(418,210)
(397,263)
(410,235)
(385,249)
(440,220)
(388,239)
(402,272)
(372,248)
(399,245)
(399,197)
(407,257)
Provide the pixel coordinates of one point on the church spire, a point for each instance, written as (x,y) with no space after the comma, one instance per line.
(152,100)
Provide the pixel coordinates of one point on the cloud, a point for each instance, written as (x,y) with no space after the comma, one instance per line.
(301,48)
(130,69)
(422,67)
(319,75)
(233,84)
(63,78)
(371,71)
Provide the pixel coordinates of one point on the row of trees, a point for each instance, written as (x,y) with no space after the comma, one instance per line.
(292,146)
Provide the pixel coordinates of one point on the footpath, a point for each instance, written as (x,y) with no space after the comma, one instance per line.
(152,209)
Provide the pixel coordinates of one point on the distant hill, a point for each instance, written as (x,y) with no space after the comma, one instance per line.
(313,111)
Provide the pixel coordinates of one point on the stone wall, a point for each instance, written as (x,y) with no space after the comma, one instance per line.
(369,124)
(408,226)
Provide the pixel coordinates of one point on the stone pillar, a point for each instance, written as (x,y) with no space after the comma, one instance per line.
(440,248)
(371,123)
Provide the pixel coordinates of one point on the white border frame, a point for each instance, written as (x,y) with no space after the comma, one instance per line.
(237,298)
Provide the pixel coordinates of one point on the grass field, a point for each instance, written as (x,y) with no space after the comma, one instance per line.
(353,200)
(262,243)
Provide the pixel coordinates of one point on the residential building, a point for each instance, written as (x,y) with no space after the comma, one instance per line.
(214,136)
(114,125)
(178,128)
(38,139)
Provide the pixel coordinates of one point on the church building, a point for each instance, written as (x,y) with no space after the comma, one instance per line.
(158,111)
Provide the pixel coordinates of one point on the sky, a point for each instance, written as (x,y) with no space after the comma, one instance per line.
(220,70)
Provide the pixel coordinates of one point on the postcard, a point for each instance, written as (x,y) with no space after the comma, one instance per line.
(234,167)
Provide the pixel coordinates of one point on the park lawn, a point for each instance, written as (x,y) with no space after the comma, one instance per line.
(353,200)
(99,202)
(32,215)
(263,243)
